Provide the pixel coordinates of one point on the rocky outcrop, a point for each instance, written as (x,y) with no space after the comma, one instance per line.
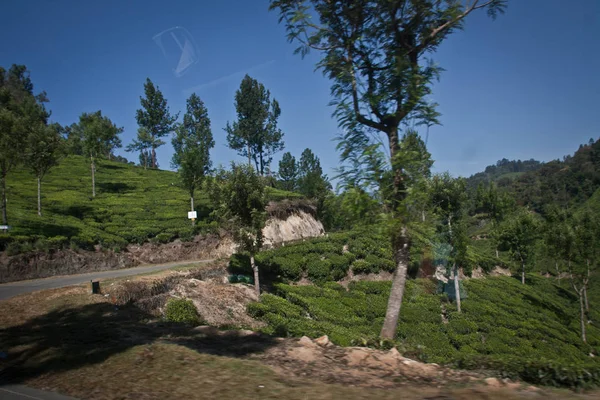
(299,225)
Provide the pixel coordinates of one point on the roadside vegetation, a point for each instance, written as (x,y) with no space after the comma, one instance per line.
(392,273)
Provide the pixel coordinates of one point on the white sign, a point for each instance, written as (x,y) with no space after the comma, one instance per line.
(192,215)
(4,227)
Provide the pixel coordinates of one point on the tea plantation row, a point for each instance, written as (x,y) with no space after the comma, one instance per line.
(132,205)
(522,331)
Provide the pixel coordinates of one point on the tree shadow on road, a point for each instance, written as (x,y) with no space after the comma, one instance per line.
(72,337)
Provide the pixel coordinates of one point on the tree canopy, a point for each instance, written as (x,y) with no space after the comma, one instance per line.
(255,134)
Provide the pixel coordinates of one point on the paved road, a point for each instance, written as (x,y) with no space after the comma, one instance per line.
(20,392)
(8,290)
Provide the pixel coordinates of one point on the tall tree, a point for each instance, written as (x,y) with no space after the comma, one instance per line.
(192,143)
(375,52)
(20,112)
(143,144)
(98,134)
(240,201)
(555,235)
(586,227)
(312,183)
(44,149)
(288,172)
(155,116)
(519,235)
(255,134)
(73,137)
(497,204)
(448,197)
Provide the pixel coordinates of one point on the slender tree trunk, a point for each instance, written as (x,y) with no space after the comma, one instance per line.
(192,204)
(39,182)
(153,157)
(249,155)
(262,165)
(456,287)
(392,314)
(585,285)
(582,315)
(93,177)
(523,273)
(423,215)
(256,281)
(400,248)
(557,271)
(497,255)
(3,184)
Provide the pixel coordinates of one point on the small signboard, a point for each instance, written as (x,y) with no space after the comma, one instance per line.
(192,215)
(4,227)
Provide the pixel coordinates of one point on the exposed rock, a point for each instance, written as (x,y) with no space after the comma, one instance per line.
(499,271)
(493,382)
(297,226)
(306,342)
(478,273)
(440,274)
(306,354)
(323,341)
(356,355)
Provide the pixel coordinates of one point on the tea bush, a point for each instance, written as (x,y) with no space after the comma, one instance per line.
(182,311)
(529,332)
(132,205)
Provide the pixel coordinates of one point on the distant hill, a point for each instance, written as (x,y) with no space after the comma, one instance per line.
(503,169)
(570,182)
(131,205)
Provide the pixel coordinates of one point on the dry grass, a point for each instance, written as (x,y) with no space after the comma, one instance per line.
(167,371)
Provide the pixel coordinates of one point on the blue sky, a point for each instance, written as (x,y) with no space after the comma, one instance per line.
(523,86)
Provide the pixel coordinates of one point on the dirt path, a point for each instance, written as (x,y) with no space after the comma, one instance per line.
(8,290)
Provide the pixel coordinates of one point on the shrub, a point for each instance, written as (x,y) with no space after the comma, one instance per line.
(182,311)
(164,237)
(289,267)
(318,270)
(339,266)
(58,242)
(239,264)
(362,267)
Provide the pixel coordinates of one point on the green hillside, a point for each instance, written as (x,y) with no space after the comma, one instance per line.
(132,205)
(530,332)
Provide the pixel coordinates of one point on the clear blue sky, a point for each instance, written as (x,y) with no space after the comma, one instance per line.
(523,86)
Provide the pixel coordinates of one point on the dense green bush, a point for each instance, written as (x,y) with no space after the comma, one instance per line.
(527,332)
(182,311)
(289,267)
(239,264)
(164,237)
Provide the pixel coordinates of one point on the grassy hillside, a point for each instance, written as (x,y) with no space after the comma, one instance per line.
(526,331)
(131,205)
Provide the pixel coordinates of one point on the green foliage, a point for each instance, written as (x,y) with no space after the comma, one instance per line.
(191,144)
(519,235)
(182,311)
(288,172)
(239,198)
(155,117)
(133,205)
(522,331)
(255,134)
